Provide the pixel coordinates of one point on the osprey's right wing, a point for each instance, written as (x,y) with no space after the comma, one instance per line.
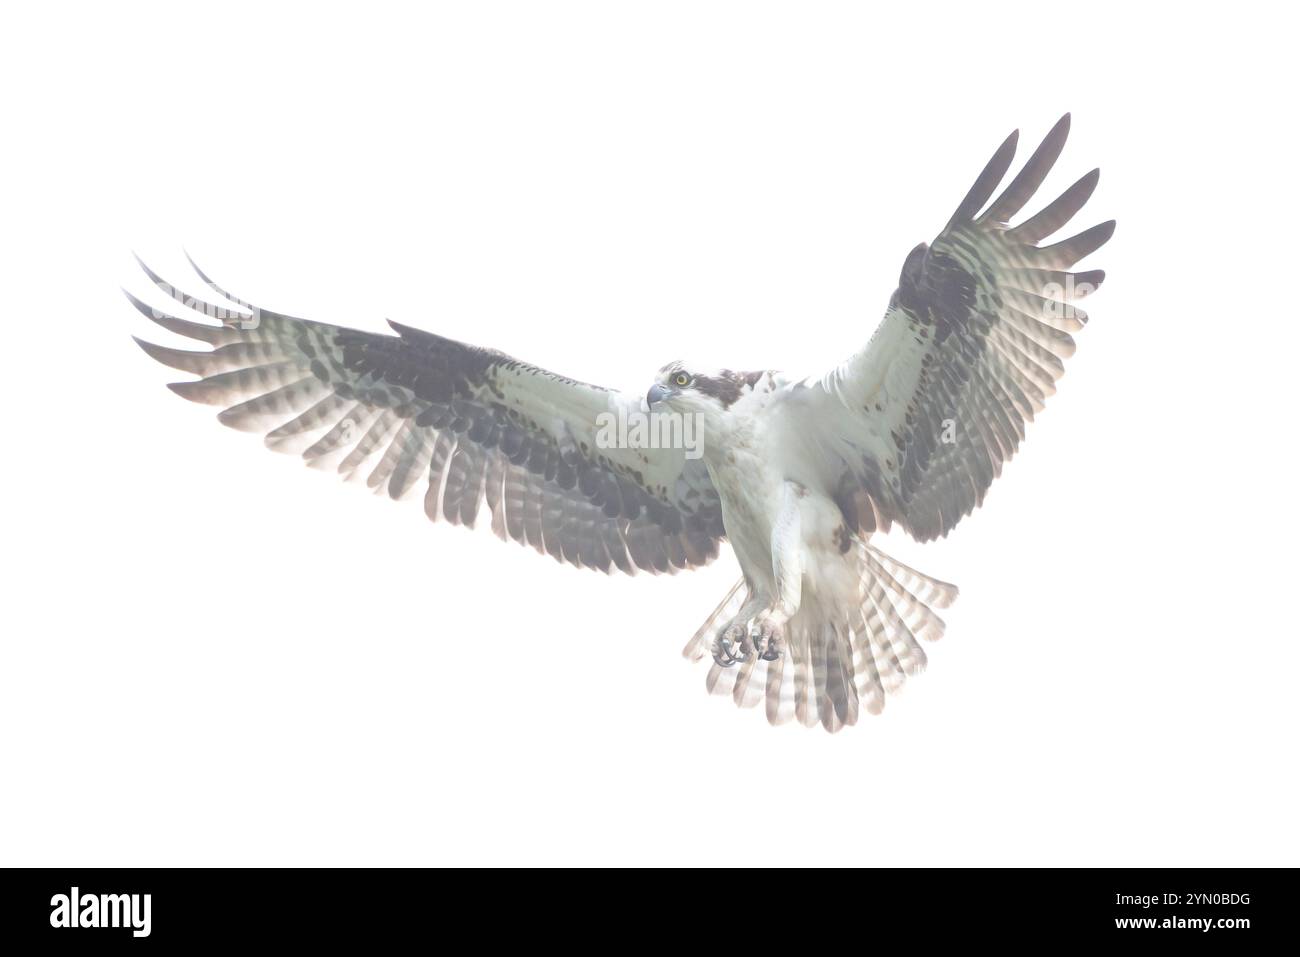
(464,424)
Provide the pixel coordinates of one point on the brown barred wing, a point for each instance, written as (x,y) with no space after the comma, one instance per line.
(971,347)
(415,414)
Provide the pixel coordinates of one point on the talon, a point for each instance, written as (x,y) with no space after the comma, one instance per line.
(724,655)
(721,656)
(765,638)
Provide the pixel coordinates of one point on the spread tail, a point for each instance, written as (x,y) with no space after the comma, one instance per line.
(835,659)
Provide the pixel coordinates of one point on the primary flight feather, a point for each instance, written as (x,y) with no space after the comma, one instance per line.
(795,474)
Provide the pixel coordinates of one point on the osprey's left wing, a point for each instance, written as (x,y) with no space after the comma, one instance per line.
(919,422)
(464,425)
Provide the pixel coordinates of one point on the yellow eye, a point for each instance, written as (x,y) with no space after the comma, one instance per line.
(682,378)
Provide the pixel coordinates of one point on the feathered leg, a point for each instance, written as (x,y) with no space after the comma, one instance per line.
(767,632)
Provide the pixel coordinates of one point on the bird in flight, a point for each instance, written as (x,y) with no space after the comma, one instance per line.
(797,475)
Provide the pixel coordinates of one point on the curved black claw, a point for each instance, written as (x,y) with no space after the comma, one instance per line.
(765,640)
(727,653)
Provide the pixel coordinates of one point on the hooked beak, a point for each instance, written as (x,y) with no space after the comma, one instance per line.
(657,393)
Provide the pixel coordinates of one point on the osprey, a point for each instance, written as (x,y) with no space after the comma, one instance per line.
(796,474)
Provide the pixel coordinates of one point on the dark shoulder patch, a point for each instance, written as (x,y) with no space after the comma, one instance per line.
(841,538)
(936,290)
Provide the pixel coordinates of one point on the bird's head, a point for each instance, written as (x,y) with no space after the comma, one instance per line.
(682,387)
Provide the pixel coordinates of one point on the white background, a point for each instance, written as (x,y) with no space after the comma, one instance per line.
(212,655)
